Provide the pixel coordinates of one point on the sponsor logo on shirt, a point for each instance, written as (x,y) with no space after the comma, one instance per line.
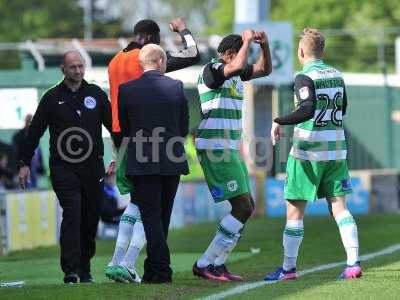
(236,88)
(239,87)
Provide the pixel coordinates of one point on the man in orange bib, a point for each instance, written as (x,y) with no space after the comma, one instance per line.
(123,68)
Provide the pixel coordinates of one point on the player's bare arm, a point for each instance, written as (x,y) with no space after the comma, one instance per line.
(237,64)
(263,66)
(177,25)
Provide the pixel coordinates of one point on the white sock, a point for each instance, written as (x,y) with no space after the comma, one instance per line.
(225,240)
(137,243)
(292,237)
(125,231)
(230,245)
(349,235)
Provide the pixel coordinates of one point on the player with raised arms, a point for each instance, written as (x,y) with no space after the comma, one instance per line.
(218,139)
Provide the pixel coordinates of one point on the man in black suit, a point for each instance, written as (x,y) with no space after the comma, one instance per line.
(153,113)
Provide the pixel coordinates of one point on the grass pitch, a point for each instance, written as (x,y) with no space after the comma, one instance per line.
(321,245)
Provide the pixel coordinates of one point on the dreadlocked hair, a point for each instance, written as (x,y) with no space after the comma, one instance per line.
(231,42)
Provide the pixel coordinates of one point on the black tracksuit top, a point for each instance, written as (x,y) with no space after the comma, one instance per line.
(75,122)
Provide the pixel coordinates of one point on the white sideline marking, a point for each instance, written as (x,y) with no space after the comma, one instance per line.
(249,286)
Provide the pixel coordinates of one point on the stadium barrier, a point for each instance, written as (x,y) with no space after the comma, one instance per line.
(3,237)
(28,220)
(374,191)
(384,187)
(193,204)
(358,202)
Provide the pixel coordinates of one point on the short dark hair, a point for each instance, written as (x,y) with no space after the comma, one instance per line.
(146,27)
(230,42)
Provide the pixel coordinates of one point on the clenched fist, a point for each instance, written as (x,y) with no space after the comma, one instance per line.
(177,25)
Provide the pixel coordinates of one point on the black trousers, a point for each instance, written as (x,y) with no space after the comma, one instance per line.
(154,195)
(79,191)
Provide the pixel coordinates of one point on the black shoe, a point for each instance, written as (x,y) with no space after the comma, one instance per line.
(86,278)
(147,277)
(71,278)
(157,280)
(154,278)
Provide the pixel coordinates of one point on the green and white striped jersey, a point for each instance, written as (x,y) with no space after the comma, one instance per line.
(321,138)
(221,109)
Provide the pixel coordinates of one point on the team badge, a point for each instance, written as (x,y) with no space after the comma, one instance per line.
(232,186)
(304,93)
(89,102)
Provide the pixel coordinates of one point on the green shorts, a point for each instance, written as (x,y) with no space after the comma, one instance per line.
(123,183)
(225,173)
(311,180)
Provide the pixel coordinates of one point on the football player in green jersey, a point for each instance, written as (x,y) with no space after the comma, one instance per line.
(218,139)
(317,164)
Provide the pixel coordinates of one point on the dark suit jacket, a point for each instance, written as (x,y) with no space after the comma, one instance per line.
(145,104)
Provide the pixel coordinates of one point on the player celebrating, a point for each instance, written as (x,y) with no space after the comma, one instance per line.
(317,165)
(217,143)
(123,67)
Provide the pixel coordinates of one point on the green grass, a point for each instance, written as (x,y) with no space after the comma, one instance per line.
(380,281)
(321,245)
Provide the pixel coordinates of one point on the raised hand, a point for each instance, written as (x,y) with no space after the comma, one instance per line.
(177,24)
(248,35)
(260,37)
